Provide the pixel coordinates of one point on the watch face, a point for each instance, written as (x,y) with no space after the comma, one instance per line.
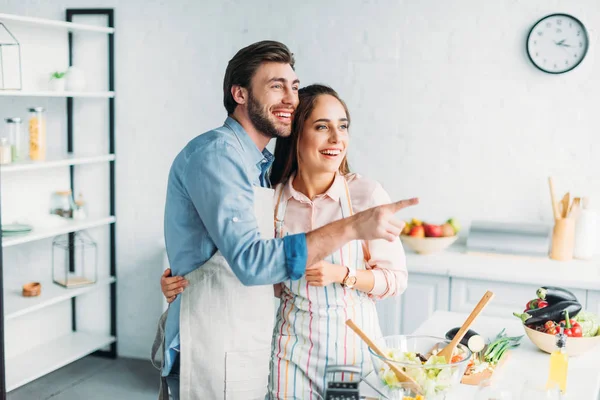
(557,43)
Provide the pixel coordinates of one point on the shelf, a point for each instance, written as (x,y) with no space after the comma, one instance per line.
(51,356)
(71,26)
(46,93)
(15,305)
(58,162)
(60,228)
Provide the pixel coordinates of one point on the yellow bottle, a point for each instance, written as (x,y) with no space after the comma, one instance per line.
(559,363)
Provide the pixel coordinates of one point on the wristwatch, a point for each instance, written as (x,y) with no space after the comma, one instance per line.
(350,279)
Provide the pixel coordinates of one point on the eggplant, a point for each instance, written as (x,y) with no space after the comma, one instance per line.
(452,332)
(554,312)
(554,294)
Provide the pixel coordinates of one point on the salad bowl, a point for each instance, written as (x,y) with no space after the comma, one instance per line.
(416,356)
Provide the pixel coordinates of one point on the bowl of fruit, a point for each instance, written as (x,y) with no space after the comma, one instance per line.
(554,309)
(426,238)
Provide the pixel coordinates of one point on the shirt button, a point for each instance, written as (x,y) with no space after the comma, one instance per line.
(235,219)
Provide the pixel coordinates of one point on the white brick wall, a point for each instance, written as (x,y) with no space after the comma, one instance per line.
(444,101)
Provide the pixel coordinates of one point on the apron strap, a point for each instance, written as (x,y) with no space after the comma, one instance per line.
(279,210)
(159,340)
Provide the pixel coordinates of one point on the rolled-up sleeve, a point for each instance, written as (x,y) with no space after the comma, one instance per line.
(222,193)
(386,259)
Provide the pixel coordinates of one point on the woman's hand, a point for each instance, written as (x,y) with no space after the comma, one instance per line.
(323,273)
(171,286)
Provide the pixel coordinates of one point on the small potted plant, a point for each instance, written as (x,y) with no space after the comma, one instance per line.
(57,81)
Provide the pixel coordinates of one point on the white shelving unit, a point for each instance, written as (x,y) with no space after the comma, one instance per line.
(34,93)
(42,360)
(67,226)
(70,26)
(26,363)
(17,305)
(67,160)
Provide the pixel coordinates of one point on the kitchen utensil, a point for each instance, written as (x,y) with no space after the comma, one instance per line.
(553,199)
(339,389)
(575,208)
(563,239)
(401,375)
(449,349)
(566,200)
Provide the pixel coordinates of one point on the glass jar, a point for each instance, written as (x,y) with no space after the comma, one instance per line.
(5,151)
(62,204)
(13,126)
(37,134)
(79,212)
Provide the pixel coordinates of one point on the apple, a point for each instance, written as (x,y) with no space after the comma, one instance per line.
(432,230)
(416,222)
(447,230)
(417,231)
(455,225)
(407,228)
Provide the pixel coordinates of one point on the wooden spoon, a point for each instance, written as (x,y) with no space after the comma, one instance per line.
(401,375)
(553,199)
(575,207)
(449,349)
(566,200)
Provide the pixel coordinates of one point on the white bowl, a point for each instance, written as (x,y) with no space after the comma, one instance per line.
(428,245)
(575,345)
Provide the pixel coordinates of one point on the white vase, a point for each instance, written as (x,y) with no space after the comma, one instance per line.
(57,85)
(75,80)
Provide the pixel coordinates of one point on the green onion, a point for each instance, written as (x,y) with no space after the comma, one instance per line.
(499,346)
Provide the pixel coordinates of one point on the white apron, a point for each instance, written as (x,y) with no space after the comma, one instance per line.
(311,333)
(226,327)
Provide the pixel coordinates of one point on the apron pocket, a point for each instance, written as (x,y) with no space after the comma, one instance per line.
(246,374)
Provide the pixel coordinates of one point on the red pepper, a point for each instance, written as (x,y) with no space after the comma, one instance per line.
(570,324)
(577,331)
(542,303)
(531,305)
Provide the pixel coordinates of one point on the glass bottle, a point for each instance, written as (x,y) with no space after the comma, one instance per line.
(13,126)
(559,362)
(37,134)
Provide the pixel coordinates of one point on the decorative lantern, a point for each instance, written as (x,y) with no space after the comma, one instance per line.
(74,260)
(10,60)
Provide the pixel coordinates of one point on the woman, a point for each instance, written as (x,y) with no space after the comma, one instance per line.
(314,187)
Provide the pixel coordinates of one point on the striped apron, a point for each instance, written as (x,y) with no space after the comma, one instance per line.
(310,331)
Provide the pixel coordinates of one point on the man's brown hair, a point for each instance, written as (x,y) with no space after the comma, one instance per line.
(243,66)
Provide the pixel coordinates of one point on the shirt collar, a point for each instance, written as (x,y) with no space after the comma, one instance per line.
(252,153)
(334,192)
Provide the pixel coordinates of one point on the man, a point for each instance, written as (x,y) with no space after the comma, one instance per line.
(219,235)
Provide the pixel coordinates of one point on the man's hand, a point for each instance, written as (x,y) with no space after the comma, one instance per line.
(171,286)
(379,223)
(323,273)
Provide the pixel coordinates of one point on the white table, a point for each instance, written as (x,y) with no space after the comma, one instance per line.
(526,363)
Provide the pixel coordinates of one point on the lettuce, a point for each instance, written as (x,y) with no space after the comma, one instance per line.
(589,323)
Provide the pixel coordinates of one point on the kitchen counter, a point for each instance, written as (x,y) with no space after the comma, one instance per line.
(456,262)
(526,363)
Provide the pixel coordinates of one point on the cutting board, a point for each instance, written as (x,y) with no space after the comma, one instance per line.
(476,379)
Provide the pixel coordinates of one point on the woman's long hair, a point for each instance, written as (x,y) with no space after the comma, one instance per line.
(286,149)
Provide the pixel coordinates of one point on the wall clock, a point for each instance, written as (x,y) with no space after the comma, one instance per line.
(557,43)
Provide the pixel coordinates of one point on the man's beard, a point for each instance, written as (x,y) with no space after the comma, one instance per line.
(262,123)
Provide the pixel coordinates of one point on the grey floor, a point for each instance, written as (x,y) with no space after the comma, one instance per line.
(94,378)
